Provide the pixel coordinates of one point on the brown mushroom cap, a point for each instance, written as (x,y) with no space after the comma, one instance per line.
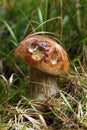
(44,54)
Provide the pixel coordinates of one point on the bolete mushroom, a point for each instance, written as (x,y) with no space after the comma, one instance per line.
(47,59)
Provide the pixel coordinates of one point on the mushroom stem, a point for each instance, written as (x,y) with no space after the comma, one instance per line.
(42,84)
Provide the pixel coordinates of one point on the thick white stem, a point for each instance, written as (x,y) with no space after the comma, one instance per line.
(42,84)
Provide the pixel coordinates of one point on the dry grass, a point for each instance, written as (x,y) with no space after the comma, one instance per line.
(66,111)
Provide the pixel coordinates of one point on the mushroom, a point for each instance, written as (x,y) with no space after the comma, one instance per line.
(47,60)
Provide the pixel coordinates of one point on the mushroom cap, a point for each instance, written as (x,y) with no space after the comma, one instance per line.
(44,54)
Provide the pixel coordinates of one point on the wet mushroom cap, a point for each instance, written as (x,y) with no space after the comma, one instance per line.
(44,54)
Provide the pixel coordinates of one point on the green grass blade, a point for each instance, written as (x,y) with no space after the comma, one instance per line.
(46,10)
(10,30)
(14,42)
(66,101)
(26,18)
(40,17)
(72,21)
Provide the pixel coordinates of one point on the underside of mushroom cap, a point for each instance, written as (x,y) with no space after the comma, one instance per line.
(44,54)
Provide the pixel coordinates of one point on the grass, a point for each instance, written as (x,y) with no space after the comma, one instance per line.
(64,21)
(67,111)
